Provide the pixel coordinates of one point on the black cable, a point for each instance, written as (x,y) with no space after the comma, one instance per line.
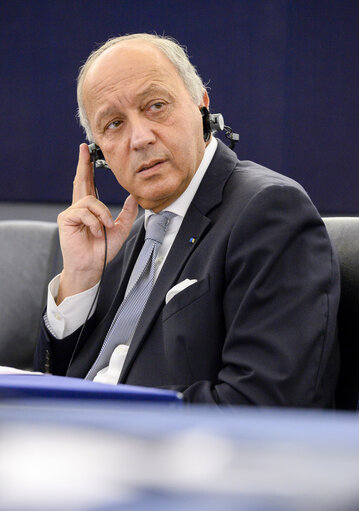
(101,279)
(233,137)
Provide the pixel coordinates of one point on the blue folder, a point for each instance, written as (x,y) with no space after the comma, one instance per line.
(49,386)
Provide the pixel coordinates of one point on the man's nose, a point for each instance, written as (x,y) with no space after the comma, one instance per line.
(141,134)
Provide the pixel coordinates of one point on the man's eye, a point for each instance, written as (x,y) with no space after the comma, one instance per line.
(156,106)
(113,125)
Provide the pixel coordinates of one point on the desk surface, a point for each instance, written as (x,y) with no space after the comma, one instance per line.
(116,456)
(39,385)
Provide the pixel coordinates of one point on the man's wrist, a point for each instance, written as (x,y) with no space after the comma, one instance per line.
(73,283)
(63,320)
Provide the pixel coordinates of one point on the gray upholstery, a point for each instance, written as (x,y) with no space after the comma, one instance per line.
(29,257)
(344,232)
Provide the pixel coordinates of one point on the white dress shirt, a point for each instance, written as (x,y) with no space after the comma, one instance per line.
(62,320)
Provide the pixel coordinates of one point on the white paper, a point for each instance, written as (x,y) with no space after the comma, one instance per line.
(14,370)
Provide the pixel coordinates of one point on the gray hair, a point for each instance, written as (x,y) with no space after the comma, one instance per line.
(176,53)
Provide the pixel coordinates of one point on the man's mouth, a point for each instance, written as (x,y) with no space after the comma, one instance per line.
(151,165)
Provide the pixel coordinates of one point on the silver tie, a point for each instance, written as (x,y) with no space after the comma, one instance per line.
(128,314)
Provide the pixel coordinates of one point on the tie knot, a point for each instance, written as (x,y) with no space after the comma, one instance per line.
(157,225)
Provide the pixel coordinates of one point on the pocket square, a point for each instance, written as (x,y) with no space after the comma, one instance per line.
(178,288)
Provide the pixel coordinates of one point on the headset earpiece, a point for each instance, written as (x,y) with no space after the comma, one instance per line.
(215,122)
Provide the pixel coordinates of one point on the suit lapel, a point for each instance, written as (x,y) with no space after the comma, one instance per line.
(195,224)
(132,250)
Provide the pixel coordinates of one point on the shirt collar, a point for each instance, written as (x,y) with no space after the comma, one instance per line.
(180,205)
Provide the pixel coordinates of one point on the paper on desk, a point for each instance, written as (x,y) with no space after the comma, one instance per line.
(14,370)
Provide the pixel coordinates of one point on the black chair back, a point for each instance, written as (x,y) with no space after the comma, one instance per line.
(29,257)
(344,233)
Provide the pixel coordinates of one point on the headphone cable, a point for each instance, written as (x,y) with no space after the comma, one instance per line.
(93,158)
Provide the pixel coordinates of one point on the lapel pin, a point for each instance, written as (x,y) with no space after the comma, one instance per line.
(192,240)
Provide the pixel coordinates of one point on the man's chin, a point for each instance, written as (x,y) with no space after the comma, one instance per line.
(156,204)
(160,195)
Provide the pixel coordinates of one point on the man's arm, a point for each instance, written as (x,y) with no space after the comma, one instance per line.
(280,304)
(83,247)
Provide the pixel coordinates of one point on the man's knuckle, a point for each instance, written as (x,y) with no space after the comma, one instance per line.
(61,216)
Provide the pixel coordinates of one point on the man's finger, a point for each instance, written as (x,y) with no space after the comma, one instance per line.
(83,182)
(127,216)
(96,207)
(79,217)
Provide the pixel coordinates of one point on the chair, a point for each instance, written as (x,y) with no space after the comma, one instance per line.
(29,257)
(344,233)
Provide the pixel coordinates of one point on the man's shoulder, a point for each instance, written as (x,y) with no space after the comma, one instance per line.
(231,184)
(251,172)
(248,174)
(250,180)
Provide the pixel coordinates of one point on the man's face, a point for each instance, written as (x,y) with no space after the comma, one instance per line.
(145,122)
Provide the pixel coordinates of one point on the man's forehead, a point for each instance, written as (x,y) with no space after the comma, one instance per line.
(130,56)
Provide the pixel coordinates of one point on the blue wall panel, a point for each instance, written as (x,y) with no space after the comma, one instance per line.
(283,73)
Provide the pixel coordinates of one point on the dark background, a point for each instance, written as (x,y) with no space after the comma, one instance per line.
(285,74)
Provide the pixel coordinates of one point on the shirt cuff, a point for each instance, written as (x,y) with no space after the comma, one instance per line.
(62,320)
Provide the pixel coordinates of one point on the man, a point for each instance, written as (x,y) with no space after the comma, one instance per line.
(246,285)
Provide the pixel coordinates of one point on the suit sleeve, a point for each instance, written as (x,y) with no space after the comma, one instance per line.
(53,355)
(280,305)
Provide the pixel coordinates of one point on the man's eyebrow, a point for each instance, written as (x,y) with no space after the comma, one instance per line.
(151,89)
(103,113)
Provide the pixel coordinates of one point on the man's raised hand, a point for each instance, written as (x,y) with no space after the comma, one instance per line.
(82,234)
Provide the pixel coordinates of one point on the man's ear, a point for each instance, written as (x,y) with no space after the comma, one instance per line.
(205,100)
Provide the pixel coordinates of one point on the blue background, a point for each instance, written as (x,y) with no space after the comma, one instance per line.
(285,74)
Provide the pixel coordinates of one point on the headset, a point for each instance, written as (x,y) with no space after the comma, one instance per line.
(211,124)
(215,122)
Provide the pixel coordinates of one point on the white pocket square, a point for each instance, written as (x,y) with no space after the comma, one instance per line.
(178,288)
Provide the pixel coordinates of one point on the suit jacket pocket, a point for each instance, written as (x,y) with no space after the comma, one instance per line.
(186,297)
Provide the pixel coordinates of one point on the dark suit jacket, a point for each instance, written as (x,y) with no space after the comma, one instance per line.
(259,326)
